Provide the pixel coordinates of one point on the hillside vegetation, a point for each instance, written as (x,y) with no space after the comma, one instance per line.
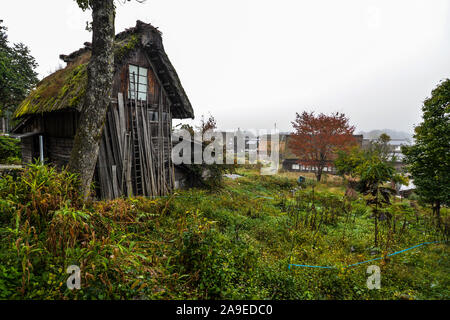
(234,243)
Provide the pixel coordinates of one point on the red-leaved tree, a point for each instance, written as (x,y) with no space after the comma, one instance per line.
(317,138)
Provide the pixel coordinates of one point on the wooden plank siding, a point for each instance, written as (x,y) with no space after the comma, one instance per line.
(135,154)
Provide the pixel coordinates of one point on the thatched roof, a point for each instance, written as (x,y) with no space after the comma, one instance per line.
(65,88)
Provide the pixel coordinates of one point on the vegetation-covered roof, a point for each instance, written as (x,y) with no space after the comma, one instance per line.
(60,90)
(66,87)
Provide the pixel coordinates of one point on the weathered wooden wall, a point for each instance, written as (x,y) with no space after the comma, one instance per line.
(27,149)
(58,130)
(57,150)
(135,154)
(61,124)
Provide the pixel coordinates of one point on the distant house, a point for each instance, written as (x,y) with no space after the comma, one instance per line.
(290,161)
(135,150)
(395,150)
(406,191)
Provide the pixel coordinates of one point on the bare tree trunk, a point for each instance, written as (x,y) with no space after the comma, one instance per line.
(437,210)
(98,94)
(376,220)
(319,173)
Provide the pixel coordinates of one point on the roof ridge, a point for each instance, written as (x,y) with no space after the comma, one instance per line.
(140,26)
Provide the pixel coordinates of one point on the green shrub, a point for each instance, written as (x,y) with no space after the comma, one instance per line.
(223,267)
(9,150)
(205,176)
(36,193)
(279,283)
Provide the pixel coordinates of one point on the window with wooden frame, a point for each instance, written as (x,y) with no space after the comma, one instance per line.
(153,116)
(165,116)
(138,87)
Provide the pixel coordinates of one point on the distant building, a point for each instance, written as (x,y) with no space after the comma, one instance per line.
(406,191)
(290,161)
(395,150)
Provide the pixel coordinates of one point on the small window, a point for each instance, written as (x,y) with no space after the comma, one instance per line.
(153,115)
(138,83)
(165,116)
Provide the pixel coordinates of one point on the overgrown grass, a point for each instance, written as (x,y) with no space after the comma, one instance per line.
(234,243)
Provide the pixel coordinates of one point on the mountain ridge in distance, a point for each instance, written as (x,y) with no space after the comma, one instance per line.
(374,134)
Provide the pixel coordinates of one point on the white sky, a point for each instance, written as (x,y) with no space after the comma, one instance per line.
(254,63)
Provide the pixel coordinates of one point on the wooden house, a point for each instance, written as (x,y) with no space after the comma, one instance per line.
(135,150)
(291,162)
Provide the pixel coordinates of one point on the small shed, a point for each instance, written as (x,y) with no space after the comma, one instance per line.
(406,191)
(135,150)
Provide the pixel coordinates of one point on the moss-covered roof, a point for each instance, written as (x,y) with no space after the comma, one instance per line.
(66,87)
(62,89)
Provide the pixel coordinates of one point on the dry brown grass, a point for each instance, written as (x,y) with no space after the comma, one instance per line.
(310,175)
(331,183)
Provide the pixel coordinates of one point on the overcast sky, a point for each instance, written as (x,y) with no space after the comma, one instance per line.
(254,63)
